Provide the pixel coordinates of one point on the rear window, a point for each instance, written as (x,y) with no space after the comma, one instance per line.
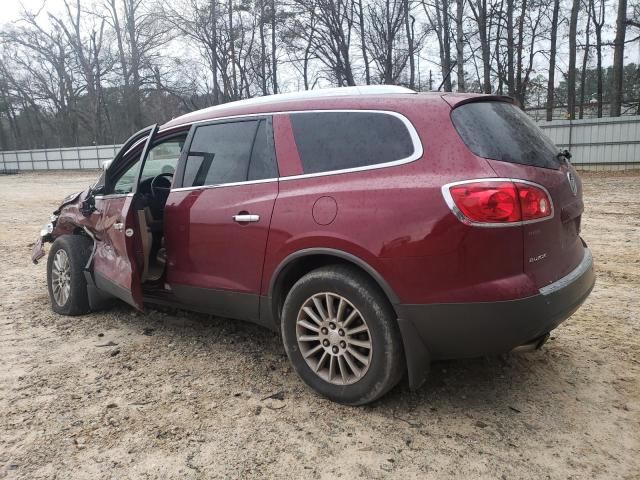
(329,141)
(501,131)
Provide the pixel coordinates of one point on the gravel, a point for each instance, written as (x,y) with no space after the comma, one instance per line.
(182,395)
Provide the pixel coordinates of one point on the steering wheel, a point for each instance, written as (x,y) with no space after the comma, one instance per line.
(161,185)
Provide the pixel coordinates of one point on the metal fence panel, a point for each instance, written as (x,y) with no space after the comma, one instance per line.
(610,143)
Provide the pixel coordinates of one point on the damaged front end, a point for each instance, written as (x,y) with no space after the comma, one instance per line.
(65,219)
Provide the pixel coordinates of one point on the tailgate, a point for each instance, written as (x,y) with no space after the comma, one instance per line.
(516,148)
(552,248)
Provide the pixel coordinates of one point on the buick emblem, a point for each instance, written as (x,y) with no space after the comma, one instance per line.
(572,183)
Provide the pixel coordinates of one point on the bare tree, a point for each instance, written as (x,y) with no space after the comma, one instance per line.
(460,44)
(618,59)
(571,75)
(480,14)
(552,60)
(585,60)
(386,22)
(597,18)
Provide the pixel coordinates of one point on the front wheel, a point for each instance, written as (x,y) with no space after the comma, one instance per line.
(65,275)
(341,335)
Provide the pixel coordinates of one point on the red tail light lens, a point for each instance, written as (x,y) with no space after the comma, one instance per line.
(498,201)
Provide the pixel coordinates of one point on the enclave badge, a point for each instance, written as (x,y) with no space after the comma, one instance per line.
(572,183)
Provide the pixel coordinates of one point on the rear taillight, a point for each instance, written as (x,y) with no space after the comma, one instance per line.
(495,202)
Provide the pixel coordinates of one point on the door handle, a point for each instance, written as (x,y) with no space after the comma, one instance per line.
(246,218)
(118,226)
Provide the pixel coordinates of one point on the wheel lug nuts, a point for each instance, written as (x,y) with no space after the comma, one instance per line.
(343,344)
(341,332)
(335,349)
(324,330)
(325,342)
(332,326)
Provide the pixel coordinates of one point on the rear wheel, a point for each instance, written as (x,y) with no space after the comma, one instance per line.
(340,334)
(65,275)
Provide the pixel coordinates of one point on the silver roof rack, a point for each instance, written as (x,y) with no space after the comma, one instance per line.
(319,93)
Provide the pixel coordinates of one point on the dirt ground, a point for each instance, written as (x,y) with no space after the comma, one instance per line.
(183,395)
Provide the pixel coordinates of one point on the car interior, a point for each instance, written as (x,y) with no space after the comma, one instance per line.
(153,191)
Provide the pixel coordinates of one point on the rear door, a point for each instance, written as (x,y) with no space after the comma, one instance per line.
(116,262)
(217,217)
(516,148)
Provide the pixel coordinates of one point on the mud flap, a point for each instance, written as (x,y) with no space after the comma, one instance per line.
(416,354)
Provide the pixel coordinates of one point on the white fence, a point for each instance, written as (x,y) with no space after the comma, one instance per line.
(596,143)
(57,158)
(611,143)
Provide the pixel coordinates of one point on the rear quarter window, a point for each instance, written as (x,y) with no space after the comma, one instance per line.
(330,141)
(501,131)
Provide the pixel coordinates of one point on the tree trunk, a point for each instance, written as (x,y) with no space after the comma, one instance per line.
(519,88)
(585,60)
(552,61)
(408,24)
(363,43)
(263,51)
(510,48)
(213,42)
(618,60)
(571,76)
(232,52)
(460,44)
(274,66)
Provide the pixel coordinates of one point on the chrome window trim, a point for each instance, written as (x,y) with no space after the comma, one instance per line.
(460,216)
(113,195)
(219,185)
(413,134)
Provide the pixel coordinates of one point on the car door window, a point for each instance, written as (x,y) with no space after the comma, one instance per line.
(228,153)
(162,158)
(128,178)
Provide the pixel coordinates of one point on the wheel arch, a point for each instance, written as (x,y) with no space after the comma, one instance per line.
(299,263)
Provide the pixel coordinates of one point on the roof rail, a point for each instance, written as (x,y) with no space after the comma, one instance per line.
(319,93)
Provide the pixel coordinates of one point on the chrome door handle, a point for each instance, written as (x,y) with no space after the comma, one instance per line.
(118,226)
(246,218)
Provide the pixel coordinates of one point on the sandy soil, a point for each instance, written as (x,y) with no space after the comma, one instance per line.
(189,396)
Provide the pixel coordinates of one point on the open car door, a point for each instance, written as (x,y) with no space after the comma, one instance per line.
(118,247)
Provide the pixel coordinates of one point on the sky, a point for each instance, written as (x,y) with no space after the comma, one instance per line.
(10,11)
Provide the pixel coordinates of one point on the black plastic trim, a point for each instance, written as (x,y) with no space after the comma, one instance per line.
(221,303)
(113,289)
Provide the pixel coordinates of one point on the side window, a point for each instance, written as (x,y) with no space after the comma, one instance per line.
(128,179)
(162,158)
(263,161)
(220,153)
(329,141)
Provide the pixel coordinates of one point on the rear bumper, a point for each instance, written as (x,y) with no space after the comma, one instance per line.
(461,330)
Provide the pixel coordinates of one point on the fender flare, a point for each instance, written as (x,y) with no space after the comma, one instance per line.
(307,252)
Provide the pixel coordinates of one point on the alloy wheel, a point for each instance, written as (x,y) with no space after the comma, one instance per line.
(334,338)
(61,277)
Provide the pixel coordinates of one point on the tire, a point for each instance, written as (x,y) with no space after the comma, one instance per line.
(343,287)
(75,251)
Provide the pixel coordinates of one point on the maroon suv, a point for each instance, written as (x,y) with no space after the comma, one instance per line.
(374,227)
